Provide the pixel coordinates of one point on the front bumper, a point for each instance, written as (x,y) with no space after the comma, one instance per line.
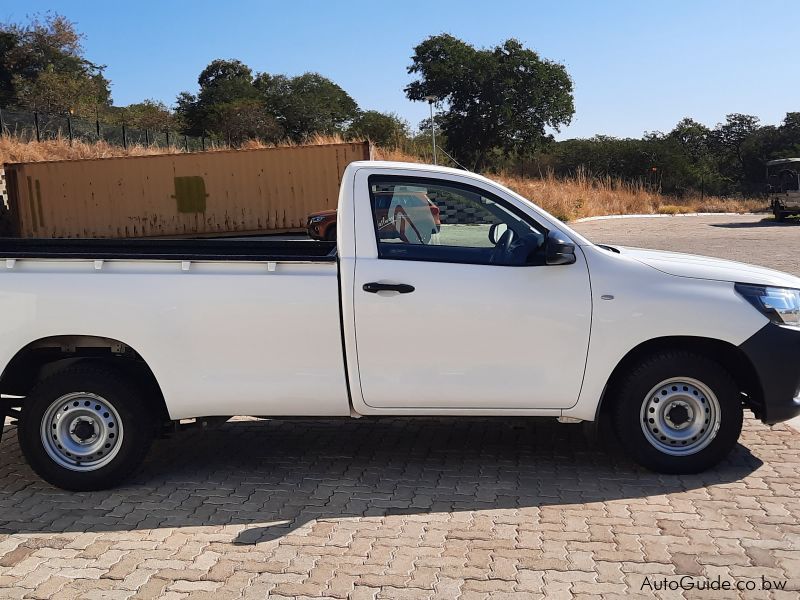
(774,352)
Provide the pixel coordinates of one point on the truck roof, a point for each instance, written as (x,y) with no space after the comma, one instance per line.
(390,164)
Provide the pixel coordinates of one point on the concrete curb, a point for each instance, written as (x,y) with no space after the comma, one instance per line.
(660,216)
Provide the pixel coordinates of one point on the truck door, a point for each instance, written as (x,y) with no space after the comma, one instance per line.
(453,305)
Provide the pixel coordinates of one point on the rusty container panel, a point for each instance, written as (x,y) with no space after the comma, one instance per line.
(203,193)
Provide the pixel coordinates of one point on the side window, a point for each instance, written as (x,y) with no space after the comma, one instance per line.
(419,219)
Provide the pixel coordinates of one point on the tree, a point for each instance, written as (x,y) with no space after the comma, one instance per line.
(505,98)
(150,114)
(699,168)
(790,135)
(728,139)
(693,138)
(384,129)
(225,81)
(42,67)
(307,104)
(61,93)
(188,113)
(221,82)
(244,119)
(295,107)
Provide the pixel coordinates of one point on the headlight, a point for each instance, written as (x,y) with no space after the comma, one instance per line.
(313,220)
(779,305)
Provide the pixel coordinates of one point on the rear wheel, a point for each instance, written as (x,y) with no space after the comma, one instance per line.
(85,428)
(330,234)
(678,412)
(779,214)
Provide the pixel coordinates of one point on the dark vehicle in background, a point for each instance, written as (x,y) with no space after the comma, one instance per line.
(783,187)
(321,225)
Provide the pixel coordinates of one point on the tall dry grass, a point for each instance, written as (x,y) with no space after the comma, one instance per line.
(587,196)
(15,150)
(566,198)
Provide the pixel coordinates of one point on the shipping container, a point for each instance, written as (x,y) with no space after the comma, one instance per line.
(203,193)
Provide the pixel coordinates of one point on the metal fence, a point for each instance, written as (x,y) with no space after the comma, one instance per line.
(37,126)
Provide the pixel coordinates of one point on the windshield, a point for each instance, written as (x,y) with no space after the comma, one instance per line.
(784,178)
(538,210)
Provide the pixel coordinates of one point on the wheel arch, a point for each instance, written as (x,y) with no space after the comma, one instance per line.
(729,356)
(39,358)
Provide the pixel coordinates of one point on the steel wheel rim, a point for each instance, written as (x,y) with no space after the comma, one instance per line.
(81,431)
(680,416)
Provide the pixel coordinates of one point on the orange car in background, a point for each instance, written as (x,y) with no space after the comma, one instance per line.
(321,225)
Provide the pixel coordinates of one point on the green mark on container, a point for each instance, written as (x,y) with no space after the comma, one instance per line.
(190,194)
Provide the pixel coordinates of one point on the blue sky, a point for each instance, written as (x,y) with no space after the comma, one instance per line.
(637,65)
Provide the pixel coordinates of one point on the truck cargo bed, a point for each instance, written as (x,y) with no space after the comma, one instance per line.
(144,249)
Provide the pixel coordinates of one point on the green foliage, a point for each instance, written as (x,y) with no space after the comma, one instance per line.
(225,81)
(724,160)
(728,139)
(263,106)
(244,119)
(149,114)
(384,129)
(307,104)
(42,67)
(221,82)
(503,99)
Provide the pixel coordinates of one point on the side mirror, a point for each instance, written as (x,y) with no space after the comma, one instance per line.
(496,231)
(558,249)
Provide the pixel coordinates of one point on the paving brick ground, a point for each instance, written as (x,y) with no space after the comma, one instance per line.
(402,508)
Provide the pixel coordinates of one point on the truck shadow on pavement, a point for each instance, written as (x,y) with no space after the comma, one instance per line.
(264,479)
(766,222)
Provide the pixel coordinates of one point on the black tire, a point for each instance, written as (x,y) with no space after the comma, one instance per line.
(779,215)
(633,403)
(330,234)
(136,419)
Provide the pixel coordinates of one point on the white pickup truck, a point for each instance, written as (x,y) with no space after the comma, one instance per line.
(451,295)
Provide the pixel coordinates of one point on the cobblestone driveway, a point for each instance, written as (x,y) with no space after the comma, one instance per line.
(429,508)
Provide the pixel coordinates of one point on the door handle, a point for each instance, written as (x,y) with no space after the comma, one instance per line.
(375,287)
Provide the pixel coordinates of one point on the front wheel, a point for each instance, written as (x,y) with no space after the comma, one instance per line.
(678,412)
(85,428)
(779,214)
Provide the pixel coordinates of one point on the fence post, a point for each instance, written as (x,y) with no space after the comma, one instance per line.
(202,137)
(36,125)
(69,129)
(167,132)
(185,143)
(146,138)
(97,124)
(124,137)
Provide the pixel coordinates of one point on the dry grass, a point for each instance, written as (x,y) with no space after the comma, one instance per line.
(14,150)
(567,199)
(586,196)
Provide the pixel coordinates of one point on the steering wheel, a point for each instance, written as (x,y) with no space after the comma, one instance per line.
(502,248)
